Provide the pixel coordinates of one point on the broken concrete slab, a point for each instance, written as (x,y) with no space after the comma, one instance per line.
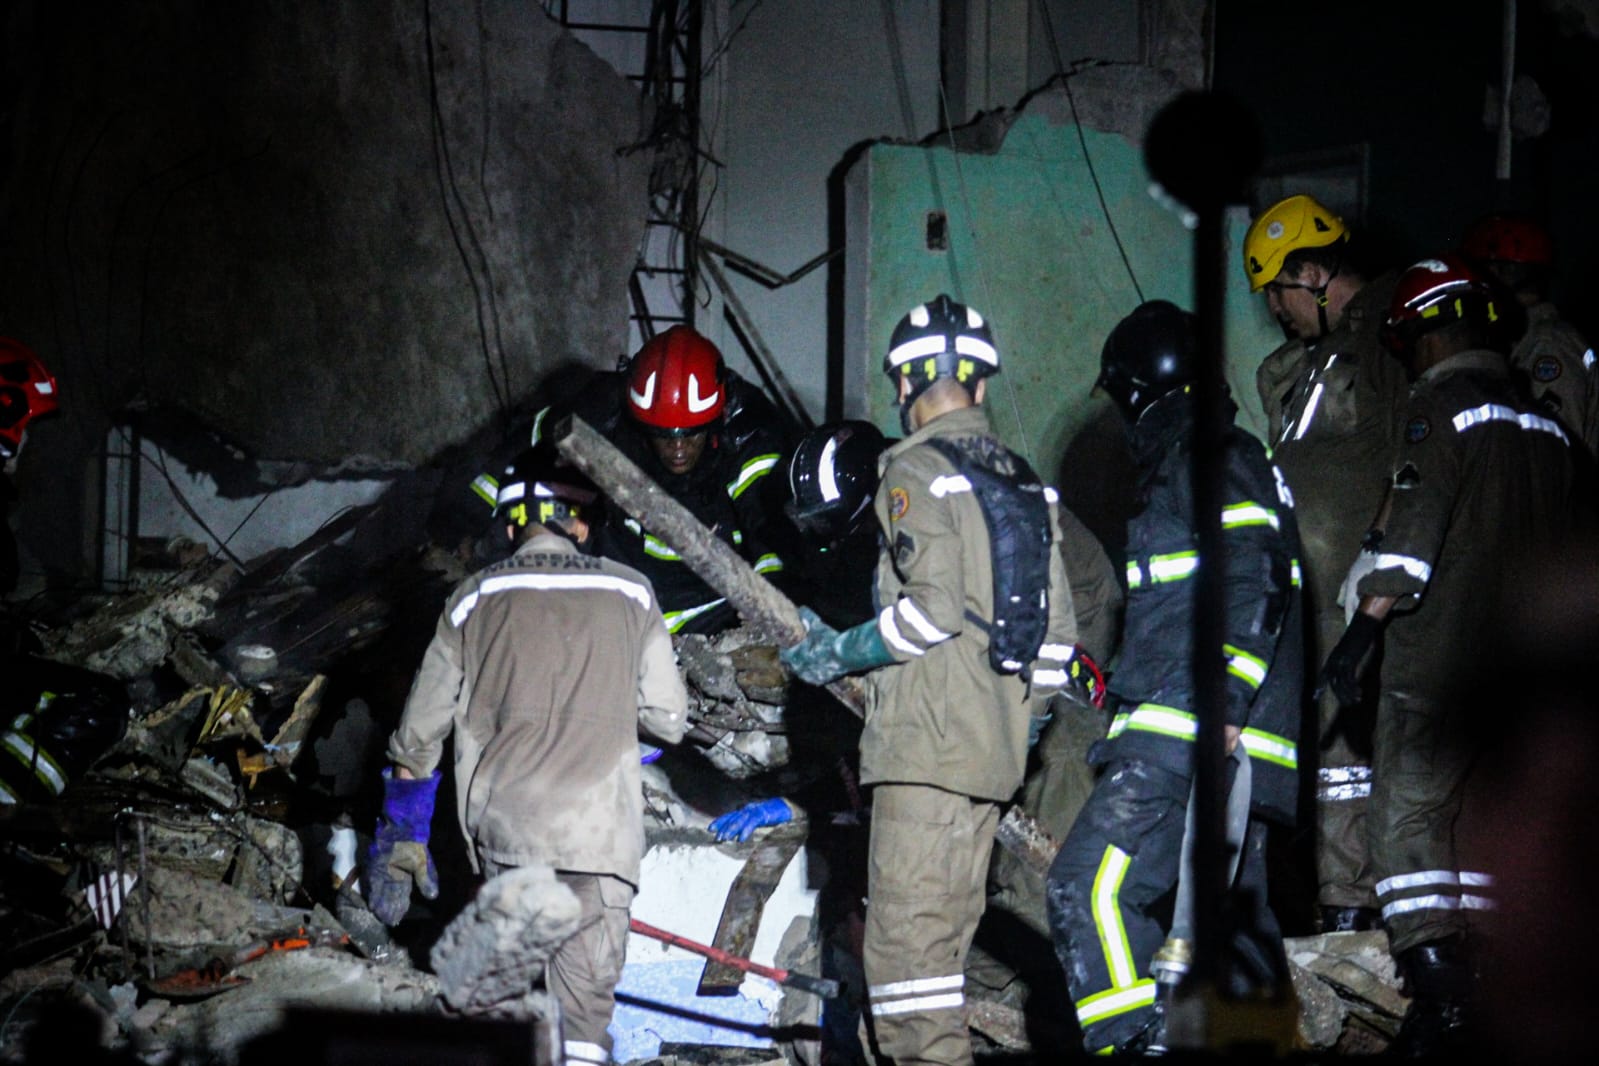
(1349,990)
(130,635)
(488,958)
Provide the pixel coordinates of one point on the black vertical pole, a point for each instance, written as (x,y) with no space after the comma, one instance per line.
(1201,150)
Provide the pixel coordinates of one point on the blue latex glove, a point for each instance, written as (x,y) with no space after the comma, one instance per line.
(826,655)
(647,753)
(742,823)
(398,858)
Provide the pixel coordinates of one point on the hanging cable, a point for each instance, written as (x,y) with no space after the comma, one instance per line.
(1088,160)
(445,173)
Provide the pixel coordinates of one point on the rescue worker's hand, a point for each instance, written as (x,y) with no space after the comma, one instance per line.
(742,823)
(1341,672)
(1232,735)
(399,858)
(825,654)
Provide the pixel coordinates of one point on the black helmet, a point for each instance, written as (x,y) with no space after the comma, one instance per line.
(940,339)
(540,486)
(832,477)
(1151,352)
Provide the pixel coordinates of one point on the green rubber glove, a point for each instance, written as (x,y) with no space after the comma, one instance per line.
(827,655)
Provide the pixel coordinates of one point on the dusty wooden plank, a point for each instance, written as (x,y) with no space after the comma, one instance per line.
(746,902)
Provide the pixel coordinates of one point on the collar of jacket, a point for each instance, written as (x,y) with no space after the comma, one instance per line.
(1364,312)
(1165,422)
(962,422)
(544,543)
(1477,361)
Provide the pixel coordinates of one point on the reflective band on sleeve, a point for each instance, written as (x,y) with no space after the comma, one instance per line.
(1060,653)
(549,583)
(486,487)
(538,426)
(1135,576)
(1174,566)
(1269,747)
(676,620)
(1310,410)
(1337,775)
(1119,961)
(891,634)
(916,986)
(1401,882)
(1245,666)
(1050,495)
(657,548)
(6,795)
(1416,568)
(1344,793)
(752,471)
(1050,678)
(37,760)
(1108,1004)
(1498,412)
(768,564)
(920,622)
(1476,880)
(1295,576)
(946,484)
(1248,513)
(1587,359)
(1420,903)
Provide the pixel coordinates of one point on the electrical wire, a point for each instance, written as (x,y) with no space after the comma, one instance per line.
(445,174)
(1082,140)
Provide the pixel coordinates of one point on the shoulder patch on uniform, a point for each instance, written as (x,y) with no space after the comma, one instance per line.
(1546,369)
(1417,429)
(904,548)
(899,501)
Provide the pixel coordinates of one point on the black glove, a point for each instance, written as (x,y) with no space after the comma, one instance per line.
(1341,671)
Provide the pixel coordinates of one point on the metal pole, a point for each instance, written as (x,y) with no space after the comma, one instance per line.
(1507,77)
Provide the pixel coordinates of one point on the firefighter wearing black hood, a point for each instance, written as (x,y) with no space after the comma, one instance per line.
(1124,851)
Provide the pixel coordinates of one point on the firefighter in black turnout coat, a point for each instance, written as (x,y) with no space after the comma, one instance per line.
(1124,851)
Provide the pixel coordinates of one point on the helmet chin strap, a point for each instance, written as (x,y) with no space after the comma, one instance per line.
(1321,300)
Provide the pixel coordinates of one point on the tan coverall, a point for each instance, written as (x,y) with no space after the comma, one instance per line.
(542,668)
(1558,366)
(1333,415)
(944,743)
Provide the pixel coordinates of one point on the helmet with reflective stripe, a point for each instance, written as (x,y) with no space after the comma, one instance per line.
(1150,353)
(675,383)
(1283,228)
(832,477)
(940,339)
(27,391)
(1435,293)
(1507,238)
(540,486)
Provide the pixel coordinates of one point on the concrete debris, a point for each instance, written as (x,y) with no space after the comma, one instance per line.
(489,957)
(1349,991)
(132,635)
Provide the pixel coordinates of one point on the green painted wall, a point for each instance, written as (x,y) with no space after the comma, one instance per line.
(1030,248)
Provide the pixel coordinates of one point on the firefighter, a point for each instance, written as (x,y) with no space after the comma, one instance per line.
(1333,399)
(1481,490)
(27,392)
(1124,851)
(1555,363)
(975,631)
(707,437)
(542,670)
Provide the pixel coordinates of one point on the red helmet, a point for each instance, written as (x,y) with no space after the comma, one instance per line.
(675,385)
(1434,293)
(1508,239)
(27,391)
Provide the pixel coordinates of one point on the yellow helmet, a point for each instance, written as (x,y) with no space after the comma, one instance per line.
(1287,226)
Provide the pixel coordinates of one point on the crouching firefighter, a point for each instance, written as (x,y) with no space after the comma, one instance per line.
(1124,852)
(542,670)
(974,632)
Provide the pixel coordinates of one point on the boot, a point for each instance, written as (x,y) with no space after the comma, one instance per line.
(1348,919)
(1441,982)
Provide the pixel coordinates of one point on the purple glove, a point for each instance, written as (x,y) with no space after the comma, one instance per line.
(399,858)
(742,823)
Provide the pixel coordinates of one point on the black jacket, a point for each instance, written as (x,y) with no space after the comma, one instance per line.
(1153,684)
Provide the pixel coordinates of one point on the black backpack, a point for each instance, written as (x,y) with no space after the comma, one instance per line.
(1016,510)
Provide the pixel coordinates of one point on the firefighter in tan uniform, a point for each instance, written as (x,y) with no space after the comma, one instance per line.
(1481,491)
(1551,358)
(542,670)
(1333,401)
(954,685)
